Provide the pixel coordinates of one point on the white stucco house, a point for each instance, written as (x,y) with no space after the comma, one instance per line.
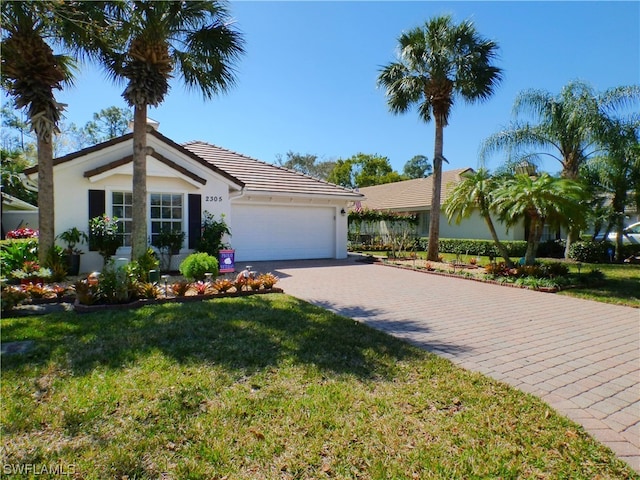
(273,213)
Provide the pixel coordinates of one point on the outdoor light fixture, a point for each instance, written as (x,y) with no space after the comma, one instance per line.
(208,276)
(165,278)
(342,212)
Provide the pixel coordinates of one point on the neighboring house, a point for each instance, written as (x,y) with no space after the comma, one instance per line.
(17,213)
(273,213)
(414,196)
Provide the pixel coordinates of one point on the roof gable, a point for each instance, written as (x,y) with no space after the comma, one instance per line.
(262,177)
(158,156)
(409,195)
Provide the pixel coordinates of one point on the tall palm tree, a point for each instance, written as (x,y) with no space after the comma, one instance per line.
(539,200)
(155,40)
(437,64)
(563,127)
(31,72)
(617,173)
(472,194)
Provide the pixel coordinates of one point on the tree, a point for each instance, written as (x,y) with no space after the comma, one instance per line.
(616,174)
(474,193)
(149,43)
(108,123)
(417,167)
(363,170)
(30,74)
(437,64)
(307,164)
(539,200)
(13,183)
(563,127)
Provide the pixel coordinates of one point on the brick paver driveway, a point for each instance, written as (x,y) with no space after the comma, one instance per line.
(581,357)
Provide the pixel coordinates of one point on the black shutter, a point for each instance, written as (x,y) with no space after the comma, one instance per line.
(195,219)
(97,206)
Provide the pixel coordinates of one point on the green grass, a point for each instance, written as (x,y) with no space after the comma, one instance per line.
(621,285)
(268,387)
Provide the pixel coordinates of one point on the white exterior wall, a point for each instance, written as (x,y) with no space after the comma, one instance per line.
(71,190)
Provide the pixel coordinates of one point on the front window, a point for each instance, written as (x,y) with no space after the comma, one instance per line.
(122,207)
(166,213)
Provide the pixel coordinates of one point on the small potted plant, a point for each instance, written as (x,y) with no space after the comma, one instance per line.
(73,237)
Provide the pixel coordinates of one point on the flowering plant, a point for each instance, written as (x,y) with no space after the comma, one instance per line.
(103,226)
(23,232)
(103,235)
(31,269)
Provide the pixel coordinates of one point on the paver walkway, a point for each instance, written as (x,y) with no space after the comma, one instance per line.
(579,356)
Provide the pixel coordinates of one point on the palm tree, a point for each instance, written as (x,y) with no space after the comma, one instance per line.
(30,74)
(474,193)
(617,173)
(154,40)
(437,64)
(539,200)
(563,127)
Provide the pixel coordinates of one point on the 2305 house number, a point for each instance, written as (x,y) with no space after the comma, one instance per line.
(213,198)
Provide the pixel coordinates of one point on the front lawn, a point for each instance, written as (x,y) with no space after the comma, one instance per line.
(267,387)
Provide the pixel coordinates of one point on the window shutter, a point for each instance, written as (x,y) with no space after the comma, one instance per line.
(97,206)
(195,219)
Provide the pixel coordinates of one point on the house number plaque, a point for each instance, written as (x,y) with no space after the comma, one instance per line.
(213,198)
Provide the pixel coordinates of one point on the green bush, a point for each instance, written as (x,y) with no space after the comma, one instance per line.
(464,246)
(212,232)
(13,253)
(197,264)
(591,252)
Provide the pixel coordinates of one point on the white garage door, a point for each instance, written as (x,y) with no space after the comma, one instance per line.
(261,232)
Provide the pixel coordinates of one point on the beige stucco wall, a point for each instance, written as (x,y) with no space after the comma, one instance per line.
(476,228)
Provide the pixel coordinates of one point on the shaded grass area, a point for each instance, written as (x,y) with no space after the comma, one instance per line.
(268,387)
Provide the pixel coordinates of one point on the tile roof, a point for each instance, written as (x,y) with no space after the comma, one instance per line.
(409,195)
(259,176)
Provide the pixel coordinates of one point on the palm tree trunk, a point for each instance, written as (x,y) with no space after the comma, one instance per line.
(46,216)
(535,233)
(434,220)
(501,248)
(139,216)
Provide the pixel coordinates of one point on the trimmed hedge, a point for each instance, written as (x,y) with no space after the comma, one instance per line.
(463,246)
(599,252)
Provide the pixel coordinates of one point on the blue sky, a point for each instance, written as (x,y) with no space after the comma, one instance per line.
(308,80)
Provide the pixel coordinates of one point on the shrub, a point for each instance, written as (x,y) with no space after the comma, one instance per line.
(180,288)
(197,264)
(10,297)
(463,246)
(116,285)
(497,269)
(555,269)
(591,252)
(212,232)
(222,285)
(14,253)
(268,280)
